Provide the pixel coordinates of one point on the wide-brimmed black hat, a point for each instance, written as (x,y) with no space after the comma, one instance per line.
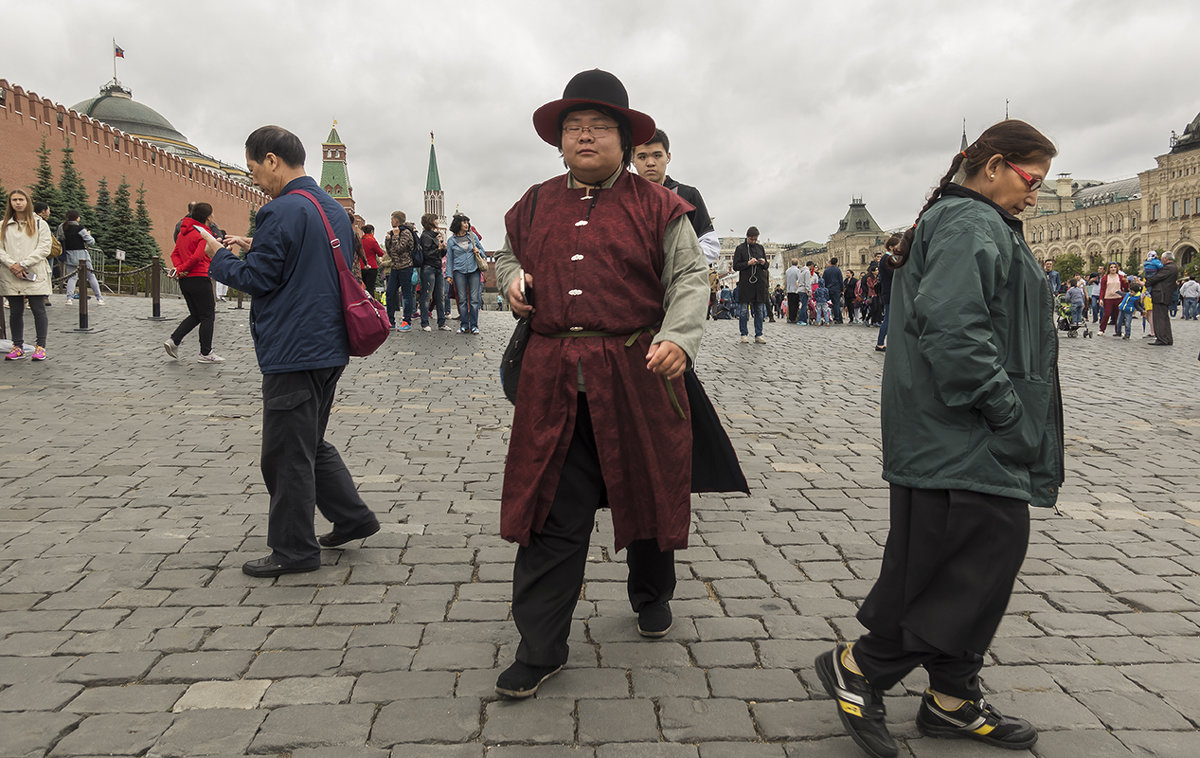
(593,87)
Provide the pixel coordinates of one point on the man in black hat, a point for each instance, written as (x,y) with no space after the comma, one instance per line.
(600,415)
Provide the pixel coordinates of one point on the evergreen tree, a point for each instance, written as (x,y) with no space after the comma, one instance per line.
(253,222)
(72,194)
(44,189)
(121,228)
(1133,263)
(145,227)
(4,194)
(102,215)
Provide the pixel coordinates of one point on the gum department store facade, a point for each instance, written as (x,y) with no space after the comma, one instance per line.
(1159,209)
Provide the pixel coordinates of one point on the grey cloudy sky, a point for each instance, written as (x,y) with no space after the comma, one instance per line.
(778,111)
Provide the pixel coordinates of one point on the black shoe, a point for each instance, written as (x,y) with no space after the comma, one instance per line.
(333,539)
(521,680)
(974,720)
(655,620)
(860,706)
(1156,343)
(269,565)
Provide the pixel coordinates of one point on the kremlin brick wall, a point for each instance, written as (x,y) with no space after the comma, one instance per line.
(103,152)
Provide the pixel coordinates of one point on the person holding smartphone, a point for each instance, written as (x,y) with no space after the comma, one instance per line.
(25,274)
(191,268)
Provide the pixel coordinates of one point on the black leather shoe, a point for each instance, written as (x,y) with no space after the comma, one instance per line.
(333,539)
(974,720)
(269,565)
(655,620)
(860,706)
(521,680)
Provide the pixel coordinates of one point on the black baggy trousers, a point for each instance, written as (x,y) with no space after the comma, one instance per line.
(948,570)
(302,471)
(548,574)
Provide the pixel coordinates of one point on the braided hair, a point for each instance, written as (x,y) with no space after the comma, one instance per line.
(1013,139)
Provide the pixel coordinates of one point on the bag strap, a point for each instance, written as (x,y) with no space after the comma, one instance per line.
(334,242)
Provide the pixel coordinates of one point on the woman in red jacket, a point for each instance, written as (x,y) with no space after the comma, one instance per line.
(1113,287)
(191,268)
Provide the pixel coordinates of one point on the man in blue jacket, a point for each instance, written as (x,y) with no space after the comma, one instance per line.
(300,339)
(835,283)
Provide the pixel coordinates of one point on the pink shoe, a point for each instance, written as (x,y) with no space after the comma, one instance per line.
(15,354)
(39,353)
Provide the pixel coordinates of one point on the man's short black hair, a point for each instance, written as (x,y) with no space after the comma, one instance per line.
(275,139)
(833,261)
(40,206)
(660,137)
(71,215)
(369,229)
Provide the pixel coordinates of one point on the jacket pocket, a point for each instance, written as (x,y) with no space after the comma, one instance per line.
(1021,441)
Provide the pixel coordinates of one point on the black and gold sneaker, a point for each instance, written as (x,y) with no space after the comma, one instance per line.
(860,706)
(975,720)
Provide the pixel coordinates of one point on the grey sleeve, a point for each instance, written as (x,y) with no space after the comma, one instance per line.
(507,267)
(685,278)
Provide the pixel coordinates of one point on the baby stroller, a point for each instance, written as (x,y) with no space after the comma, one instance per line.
(1064,320)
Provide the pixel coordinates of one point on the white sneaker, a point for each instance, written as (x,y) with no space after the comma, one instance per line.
(745,340)
(427,328)
(99,301)
(445,328)
(210,358)
(171,348)
(760,340)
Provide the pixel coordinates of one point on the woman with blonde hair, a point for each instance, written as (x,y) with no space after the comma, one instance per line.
(24,248)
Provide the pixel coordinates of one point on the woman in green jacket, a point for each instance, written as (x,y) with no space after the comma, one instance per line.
(972,435)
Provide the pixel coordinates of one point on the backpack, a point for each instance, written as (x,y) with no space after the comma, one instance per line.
(418,255)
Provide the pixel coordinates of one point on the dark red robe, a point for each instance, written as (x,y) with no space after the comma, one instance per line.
(601,276)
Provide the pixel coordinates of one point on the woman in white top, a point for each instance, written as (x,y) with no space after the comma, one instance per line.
(25,274)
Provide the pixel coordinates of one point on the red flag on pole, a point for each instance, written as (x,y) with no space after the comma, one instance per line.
(117,51)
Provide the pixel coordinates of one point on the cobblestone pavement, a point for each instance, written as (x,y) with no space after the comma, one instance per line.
(131,497)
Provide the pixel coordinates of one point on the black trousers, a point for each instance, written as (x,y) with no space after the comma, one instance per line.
(793,300)
(548,573)
(197,292)
(370,276)
(1161,316)
(16,316)
(948,570)
(302,471)
(835,305)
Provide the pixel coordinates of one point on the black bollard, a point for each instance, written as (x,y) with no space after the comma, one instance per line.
(156,289)
(82,271)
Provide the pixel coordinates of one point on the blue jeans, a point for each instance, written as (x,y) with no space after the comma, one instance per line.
(1126,320)
(431,293)
(760,313)
(1076,313)
(883,326)
(835,305)
(470,298)
(446,295)
(802,311)
(400,293)
(1097,309)
(1191,308)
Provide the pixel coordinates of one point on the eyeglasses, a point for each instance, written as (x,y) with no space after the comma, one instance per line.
(1033,184)
(599,131)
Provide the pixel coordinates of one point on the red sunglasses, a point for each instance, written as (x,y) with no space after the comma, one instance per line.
(1033,184)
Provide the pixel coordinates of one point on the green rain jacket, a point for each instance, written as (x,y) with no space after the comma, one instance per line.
(970,396)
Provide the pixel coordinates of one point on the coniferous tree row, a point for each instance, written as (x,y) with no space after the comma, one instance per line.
(44,189)
(102,215)
(72,194)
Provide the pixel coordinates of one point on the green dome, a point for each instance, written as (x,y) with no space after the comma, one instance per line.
(116,107)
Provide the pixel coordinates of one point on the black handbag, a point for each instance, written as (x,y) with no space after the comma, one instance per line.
(510,363)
